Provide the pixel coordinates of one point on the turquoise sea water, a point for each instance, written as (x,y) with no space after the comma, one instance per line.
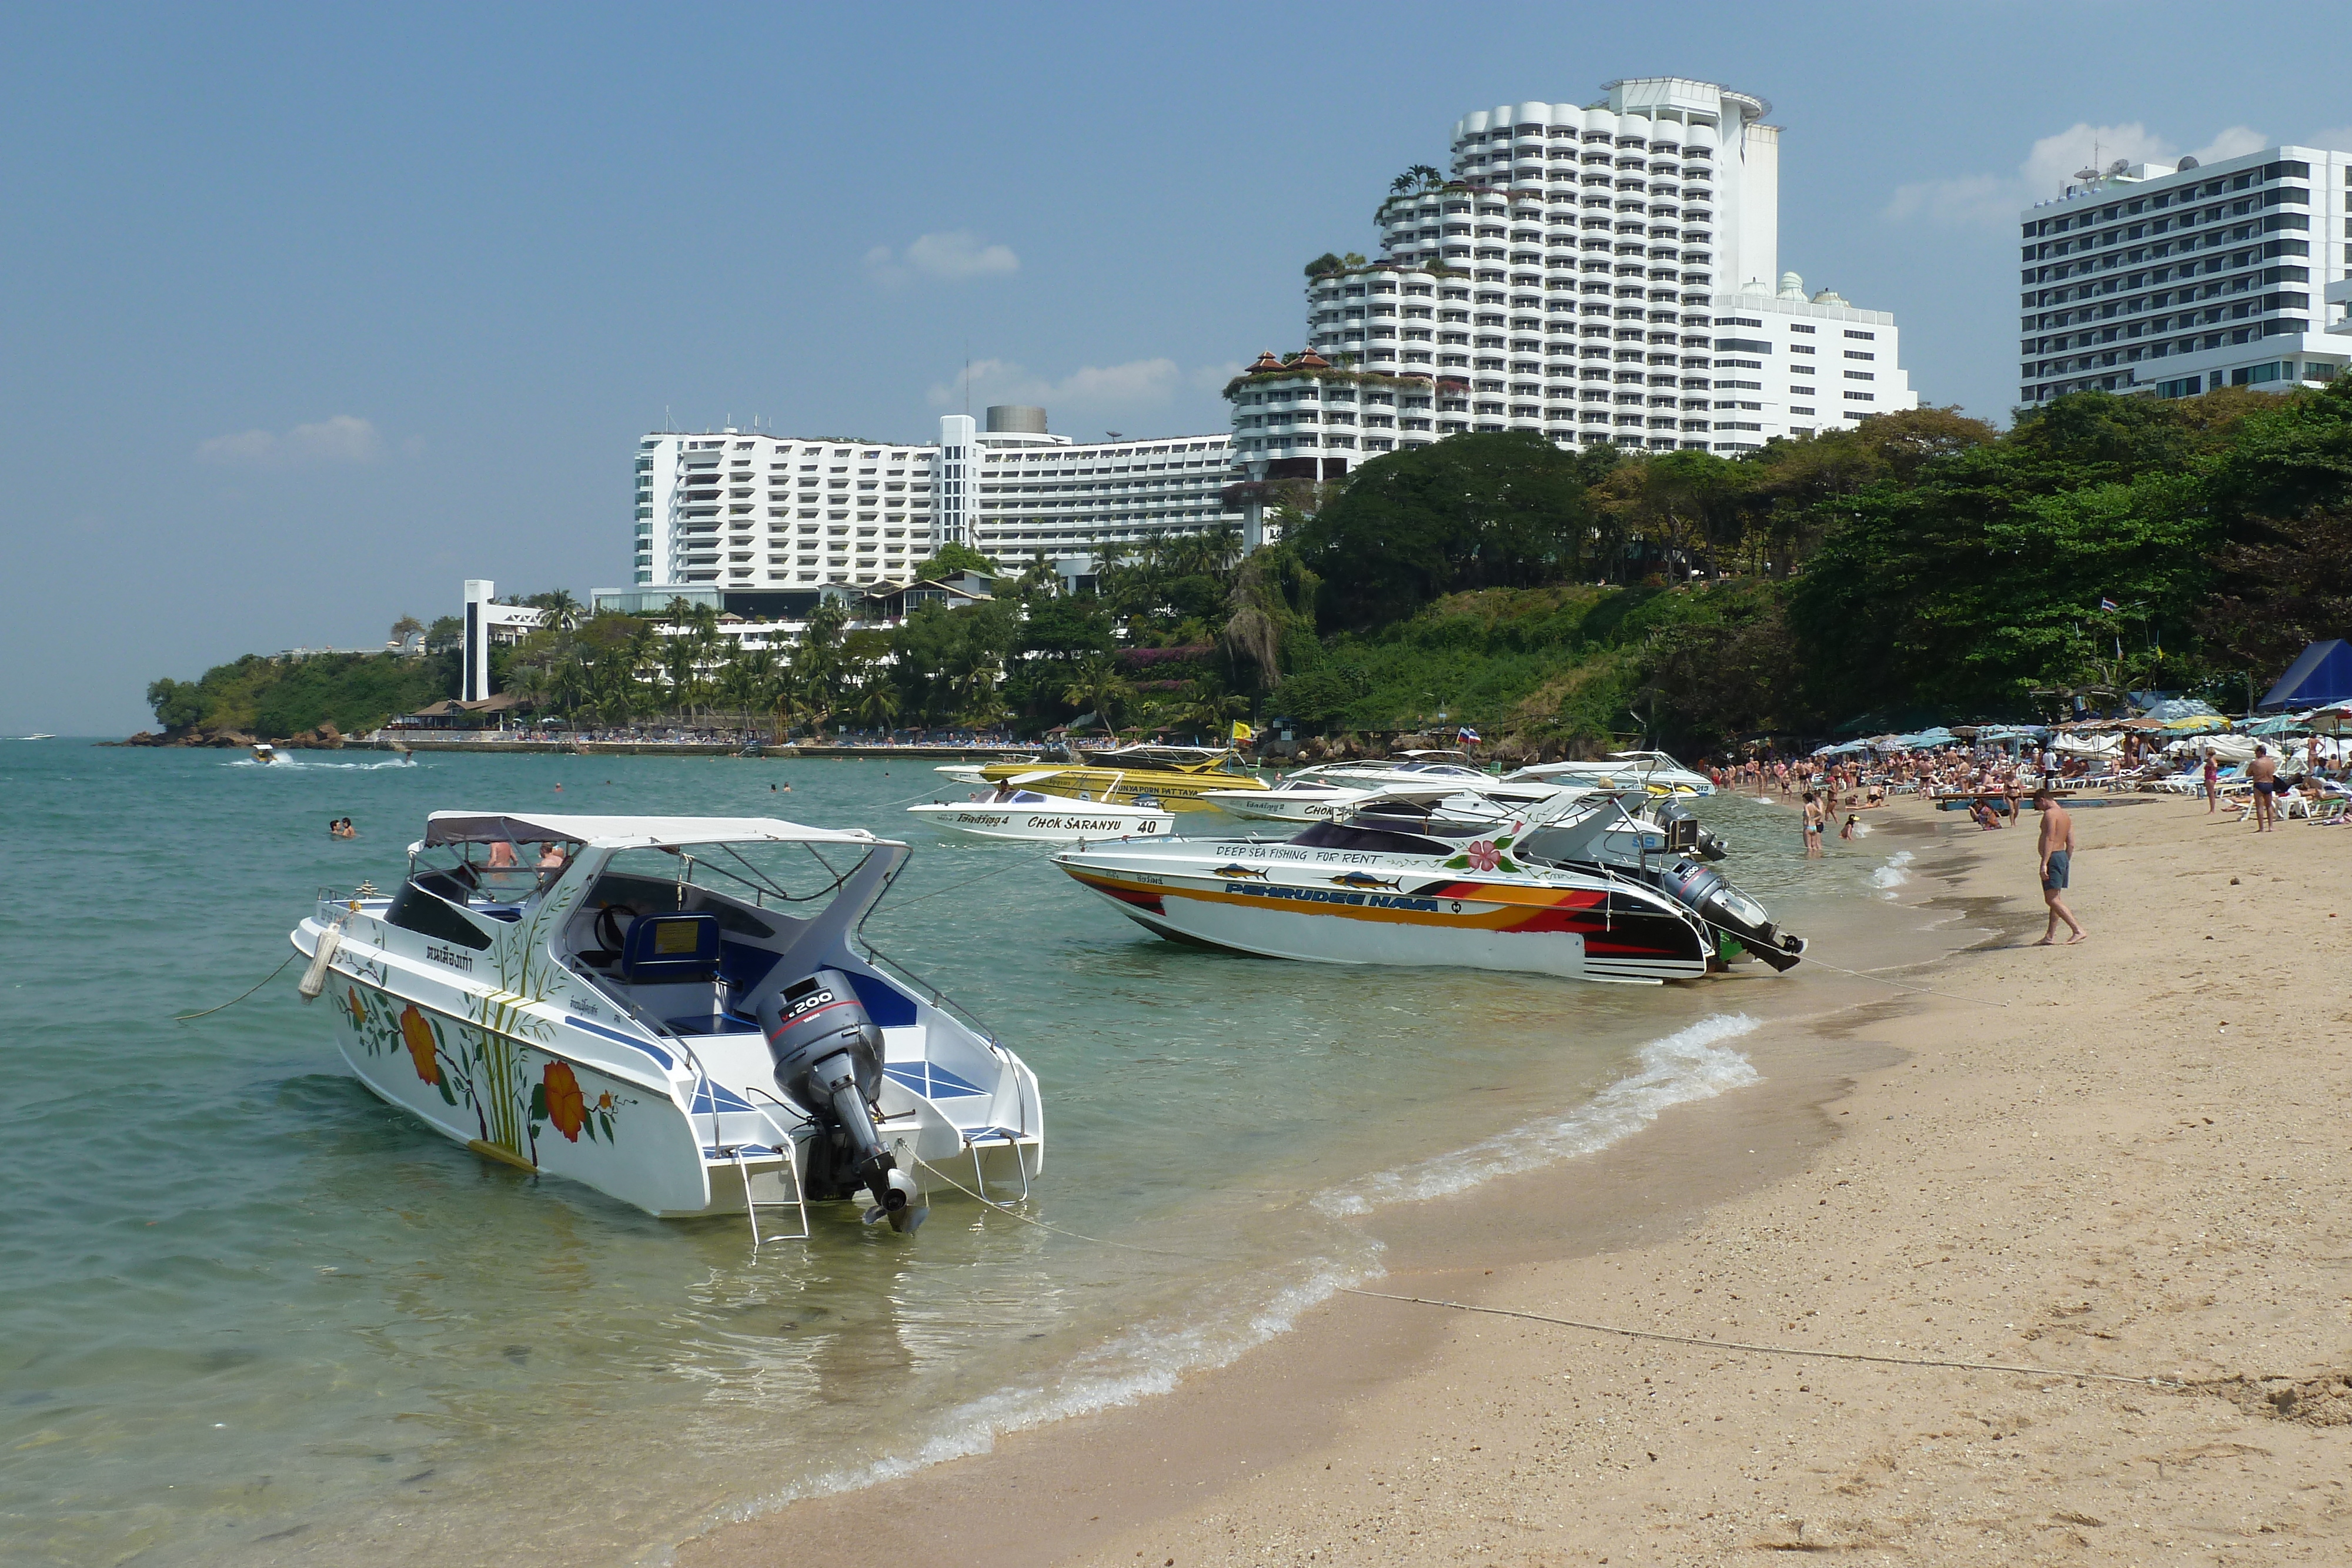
(249,1314)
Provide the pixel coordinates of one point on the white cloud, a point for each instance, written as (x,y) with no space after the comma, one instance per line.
(342,439)
(950,257)
(1993,200)
(1132,384)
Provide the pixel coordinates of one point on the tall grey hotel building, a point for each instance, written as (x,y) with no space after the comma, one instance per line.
(2169,280)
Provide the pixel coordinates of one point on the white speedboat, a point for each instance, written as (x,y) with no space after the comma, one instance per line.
(1405,881)
(1330,791)
(1009,811)
(267,753)
(674,1010)
(1655,770)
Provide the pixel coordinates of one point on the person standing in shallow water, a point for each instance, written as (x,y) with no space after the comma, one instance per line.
(2057,847)
(1814,817)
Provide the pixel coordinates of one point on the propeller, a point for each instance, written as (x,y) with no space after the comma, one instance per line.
(903,1205)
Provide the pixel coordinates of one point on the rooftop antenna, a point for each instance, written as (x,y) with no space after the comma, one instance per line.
(2094,173)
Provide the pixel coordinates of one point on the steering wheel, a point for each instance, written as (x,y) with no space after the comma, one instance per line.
(608,925)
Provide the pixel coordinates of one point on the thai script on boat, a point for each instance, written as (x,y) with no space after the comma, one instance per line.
(1335,895)
(582,1004)
(450,957)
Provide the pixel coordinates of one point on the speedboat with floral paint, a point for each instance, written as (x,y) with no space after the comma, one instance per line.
(1570,887)
(677,1011)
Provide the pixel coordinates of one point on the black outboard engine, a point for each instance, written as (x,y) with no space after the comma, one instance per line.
(828,1057)
(1731,910)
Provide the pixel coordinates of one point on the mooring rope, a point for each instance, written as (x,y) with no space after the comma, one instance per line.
(1654,1334)
(184,1018)
(1906,986)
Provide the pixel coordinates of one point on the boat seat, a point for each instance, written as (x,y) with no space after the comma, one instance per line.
(713,1023)
(670,947)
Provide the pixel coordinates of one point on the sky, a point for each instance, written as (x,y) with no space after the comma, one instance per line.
(309,314)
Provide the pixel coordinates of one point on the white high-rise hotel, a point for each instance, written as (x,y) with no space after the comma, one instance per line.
(748,512)
(1600,274)
(2176,279)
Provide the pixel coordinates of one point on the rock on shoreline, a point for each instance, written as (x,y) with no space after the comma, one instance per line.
(323,737)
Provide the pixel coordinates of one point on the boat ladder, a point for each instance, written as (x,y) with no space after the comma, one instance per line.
(798,1201)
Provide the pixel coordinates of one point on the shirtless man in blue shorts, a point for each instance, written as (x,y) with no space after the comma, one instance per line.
(2057,849)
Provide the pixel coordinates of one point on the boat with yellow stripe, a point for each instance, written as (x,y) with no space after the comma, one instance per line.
(1176,777)
(1447,881)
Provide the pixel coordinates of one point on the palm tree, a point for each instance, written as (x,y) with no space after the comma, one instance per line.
(1430,175)
(1209,705)
(563,611)
(878,704)
(1097,687)
(1403,183)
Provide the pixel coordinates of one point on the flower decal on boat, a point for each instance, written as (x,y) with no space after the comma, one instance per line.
(416,1033)
(1485,854)
(567,1108)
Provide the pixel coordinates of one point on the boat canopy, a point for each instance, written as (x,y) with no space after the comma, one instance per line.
(628,832)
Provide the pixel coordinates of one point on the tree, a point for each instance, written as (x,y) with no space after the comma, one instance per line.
(1208,707)
(1097,687)
(877,705)
(1477,511)
(1325,264)
(1971,587)
(404,628)
(953,558)
(447,631)
(177,703)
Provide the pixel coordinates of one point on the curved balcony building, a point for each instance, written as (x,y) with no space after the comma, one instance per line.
(1574,272)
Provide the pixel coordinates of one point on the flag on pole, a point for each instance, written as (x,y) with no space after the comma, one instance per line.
(1243,732)
(2109,605)
(1467,736)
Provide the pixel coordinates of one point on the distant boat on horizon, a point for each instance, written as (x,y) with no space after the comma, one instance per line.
(36,737)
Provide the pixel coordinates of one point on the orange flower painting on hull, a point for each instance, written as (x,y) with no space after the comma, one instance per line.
(566,1108)
(417,1034)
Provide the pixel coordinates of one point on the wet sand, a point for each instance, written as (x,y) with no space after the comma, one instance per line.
(2121,1158)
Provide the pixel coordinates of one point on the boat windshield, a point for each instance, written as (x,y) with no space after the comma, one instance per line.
(1374,841)
(762,874)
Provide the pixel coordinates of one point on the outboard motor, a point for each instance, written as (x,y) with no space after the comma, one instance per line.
(828,1057)
(1731,910)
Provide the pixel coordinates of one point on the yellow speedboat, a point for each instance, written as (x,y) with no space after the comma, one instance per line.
(1175,776)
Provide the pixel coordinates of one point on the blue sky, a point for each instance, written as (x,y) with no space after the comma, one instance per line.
(306,315)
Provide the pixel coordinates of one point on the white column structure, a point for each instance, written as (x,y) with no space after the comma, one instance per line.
(488,623)
(2171,279)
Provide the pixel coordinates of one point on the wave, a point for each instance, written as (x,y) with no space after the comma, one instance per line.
(1689,1064)
(1893,874)
(292,766)
(1149,1359)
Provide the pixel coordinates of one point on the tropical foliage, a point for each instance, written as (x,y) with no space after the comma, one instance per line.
(1923,563)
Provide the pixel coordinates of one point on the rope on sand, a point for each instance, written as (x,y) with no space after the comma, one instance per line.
(1904,984)
(1773,1349)
(1654,1334)
(184,1018)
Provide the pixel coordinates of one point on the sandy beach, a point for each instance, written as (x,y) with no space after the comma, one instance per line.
(2118,1163)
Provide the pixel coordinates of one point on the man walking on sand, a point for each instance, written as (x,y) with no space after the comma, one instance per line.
(2057,859)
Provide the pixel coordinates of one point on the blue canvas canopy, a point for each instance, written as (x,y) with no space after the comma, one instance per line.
(2321,673)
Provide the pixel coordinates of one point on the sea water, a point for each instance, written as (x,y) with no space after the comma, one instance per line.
(250,1314)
